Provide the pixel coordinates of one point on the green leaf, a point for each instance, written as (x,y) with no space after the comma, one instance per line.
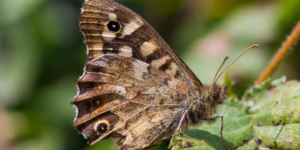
(229,84)
(267,117)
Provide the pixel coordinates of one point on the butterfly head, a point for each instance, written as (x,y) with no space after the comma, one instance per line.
(213,95)
(217,94)
(206,104)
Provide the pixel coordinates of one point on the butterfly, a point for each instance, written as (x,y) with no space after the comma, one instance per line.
(134,88)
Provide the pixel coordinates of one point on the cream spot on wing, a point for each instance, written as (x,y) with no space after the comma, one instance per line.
(99,63)
(131,27)
(97,46)
(157,63)
(172,70)
(126,51)
(147,48)
(139,69)
(120,90)
(108,35)
(112,16)
(82,10)
(95,50)
(172,83)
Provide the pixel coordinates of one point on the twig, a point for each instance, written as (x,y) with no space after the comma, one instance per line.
(280,55)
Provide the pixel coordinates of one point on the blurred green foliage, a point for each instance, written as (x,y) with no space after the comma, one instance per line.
(42,55)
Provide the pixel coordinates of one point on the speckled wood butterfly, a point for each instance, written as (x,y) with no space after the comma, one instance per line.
(135,89)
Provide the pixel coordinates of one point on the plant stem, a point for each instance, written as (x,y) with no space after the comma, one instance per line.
(286,47)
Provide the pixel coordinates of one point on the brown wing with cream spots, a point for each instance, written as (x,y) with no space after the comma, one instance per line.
(134,87)
(111,28)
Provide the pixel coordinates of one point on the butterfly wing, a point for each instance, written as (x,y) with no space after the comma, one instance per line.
(136,39)
(134,87)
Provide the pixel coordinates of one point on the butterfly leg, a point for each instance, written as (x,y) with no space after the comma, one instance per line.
(221,132)
(178,128)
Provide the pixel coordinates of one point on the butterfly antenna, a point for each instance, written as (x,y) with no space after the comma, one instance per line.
(255,45)
(226,58)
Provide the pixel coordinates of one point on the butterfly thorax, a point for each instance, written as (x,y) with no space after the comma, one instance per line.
(204,106)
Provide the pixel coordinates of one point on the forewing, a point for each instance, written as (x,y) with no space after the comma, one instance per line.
(136,39)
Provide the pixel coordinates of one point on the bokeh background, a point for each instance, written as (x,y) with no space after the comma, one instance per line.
(42,54)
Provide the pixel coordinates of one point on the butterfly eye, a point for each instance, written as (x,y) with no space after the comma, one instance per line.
(214,94)
(113,26)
